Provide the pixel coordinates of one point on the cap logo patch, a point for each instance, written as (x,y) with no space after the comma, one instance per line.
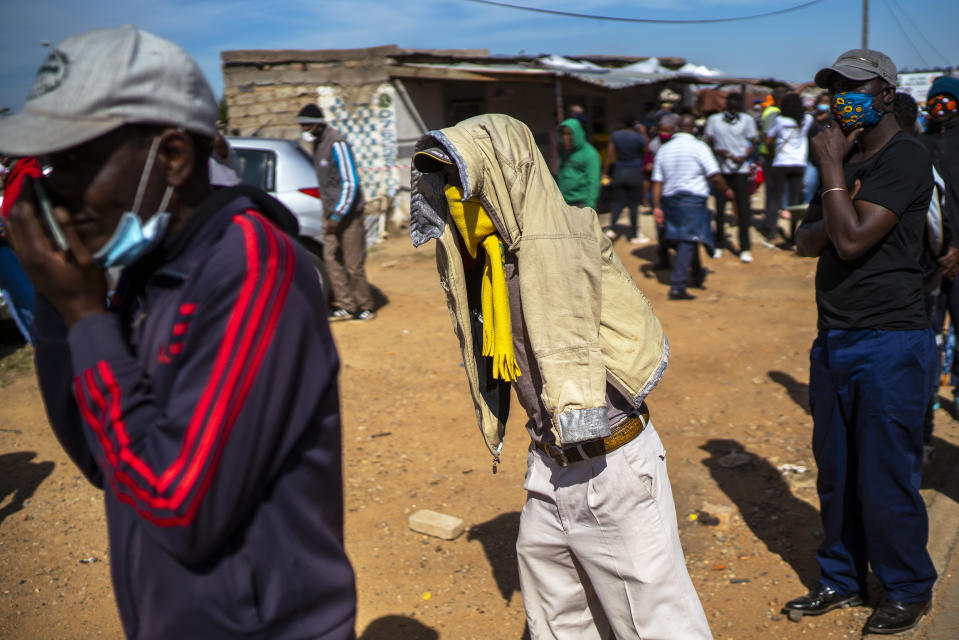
(50,75)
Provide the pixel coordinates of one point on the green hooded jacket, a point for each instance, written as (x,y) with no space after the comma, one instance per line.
(579,170)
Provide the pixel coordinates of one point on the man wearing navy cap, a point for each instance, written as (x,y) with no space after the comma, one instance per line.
(872,363)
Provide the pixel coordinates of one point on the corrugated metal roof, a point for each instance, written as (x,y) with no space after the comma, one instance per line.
(648,71)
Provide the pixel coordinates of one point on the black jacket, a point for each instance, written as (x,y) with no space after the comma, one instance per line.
(943,146)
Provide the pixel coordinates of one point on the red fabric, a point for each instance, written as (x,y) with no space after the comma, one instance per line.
(756,178)
(23,168)
(223,397)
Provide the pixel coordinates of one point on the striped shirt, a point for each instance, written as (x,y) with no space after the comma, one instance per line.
(683,164)
(336,174)
(343,158)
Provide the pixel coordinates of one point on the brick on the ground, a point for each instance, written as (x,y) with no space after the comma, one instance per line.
(436,524)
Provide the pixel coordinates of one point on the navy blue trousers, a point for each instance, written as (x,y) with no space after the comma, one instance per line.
(868,391)
(687,255)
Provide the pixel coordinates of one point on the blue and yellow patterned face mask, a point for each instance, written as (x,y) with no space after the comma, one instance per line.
(854,110)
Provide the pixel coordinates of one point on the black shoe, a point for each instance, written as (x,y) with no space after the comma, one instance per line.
(680,294)
(364,315)
(820,600)
(893,617)
(339,314)
(700,280)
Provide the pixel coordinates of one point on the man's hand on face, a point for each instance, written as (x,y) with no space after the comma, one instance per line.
(832,146)
(72,281)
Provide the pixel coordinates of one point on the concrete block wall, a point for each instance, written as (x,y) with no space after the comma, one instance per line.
(269,109)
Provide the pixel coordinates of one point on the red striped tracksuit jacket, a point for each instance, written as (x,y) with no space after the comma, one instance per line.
(205,404)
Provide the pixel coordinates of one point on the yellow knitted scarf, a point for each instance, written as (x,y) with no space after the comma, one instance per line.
(476,227)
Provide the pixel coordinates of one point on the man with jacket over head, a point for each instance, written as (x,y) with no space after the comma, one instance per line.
(201,395)
(540,302)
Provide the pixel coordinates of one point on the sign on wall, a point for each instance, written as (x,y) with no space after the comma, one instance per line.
(370,127)
(371,131)
(917,84)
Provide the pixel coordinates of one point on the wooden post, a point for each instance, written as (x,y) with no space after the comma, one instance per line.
(559,100)
(865,24)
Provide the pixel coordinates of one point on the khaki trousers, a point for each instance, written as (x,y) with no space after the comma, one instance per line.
(344,255)
(599,549)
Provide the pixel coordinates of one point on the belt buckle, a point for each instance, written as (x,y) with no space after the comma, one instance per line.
(558,454)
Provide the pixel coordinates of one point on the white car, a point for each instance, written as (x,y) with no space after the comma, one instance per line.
(285,171)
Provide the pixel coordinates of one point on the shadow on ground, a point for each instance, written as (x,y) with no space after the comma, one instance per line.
(380,299)
(498,537)
(940,474)
(650,271)
(19,479)
(10,338)
(398,628)
(787,525)
(798,391)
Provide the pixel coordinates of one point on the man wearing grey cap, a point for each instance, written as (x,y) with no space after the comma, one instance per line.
(201,395)
(871,365)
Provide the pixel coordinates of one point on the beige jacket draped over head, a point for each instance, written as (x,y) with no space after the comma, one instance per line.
(588,323)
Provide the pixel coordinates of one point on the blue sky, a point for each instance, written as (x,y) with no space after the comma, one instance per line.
(791,46)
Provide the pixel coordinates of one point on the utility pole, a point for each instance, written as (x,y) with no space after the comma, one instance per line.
(865,24)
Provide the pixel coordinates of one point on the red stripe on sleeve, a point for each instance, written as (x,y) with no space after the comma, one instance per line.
(226,405)
(228,345)
(225,399)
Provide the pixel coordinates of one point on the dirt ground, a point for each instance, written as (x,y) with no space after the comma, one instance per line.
(736,383)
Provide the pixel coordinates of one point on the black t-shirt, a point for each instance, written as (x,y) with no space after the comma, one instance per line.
(814,129)
(881,289)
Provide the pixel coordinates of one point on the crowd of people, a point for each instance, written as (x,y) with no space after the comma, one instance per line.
(186,363)
(769,144)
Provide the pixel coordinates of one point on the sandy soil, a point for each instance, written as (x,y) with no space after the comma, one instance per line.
(737,382)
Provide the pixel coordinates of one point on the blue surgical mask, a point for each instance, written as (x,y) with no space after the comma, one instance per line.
(855,111)
(133,238)
(822,107)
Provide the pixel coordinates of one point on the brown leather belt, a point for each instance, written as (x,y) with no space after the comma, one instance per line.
(620,435)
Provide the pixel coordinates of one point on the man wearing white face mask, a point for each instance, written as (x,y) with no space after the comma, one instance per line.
(344,237)
(202,397)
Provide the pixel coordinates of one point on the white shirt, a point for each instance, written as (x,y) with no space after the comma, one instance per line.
(790,141)
(683,164)
(733,137)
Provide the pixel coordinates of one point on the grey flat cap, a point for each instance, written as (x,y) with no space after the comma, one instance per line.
(859,64)
(98,81)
